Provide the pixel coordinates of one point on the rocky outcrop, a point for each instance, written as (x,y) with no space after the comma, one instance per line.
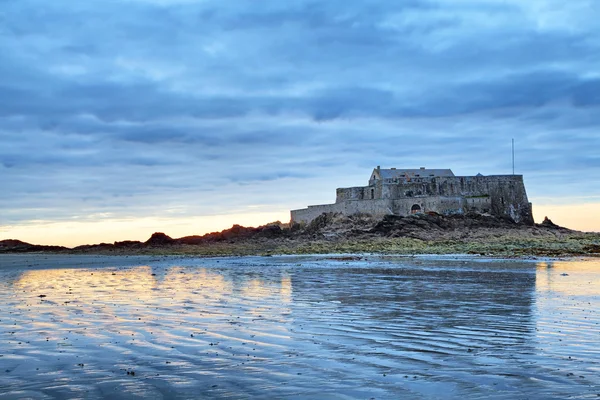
(547,223)
(160,239)
(235,233)
(392,225)
(337,232)
(17,246)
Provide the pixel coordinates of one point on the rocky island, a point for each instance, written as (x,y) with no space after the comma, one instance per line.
(400,211)
(404,192)
(425,233)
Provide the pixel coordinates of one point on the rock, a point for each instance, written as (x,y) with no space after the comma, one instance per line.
(271,231)
(547,222)
(160,239)
(17,246)
(128,244)
(592,248)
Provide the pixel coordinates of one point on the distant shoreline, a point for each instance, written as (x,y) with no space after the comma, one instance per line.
(43,261)
(474,234)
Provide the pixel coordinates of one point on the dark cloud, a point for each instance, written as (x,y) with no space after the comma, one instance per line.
(128,107)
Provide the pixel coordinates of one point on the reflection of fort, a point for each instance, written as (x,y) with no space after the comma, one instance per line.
(446,296)
(391,328)
(441,296)
(452,295)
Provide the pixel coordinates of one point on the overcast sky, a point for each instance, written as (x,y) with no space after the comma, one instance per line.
(172,110)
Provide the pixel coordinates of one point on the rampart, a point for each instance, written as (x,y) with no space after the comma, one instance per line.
(500,195)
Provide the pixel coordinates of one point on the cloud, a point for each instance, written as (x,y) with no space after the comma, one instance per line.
(128,108)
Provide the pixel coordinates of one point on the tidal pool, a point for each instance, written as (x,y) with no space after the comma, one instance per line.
(312,327)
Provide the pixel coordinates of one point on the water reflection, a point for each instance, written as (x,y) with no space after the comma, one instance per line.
(425,321)
(300,327)
(572,278)
(567,322)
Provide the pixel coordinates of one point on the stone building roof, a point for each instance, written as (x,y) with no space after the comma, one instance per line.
(393,173)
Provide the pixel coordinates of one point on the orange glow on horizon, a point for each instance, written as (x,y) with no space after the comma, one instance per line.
(583,217)
(75,233)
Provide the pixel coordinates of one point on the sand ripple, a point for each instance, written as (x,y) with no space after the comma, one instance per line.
(297,327)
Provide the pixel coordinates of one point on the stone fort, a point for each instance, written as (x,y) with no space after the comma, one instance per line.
(412,191)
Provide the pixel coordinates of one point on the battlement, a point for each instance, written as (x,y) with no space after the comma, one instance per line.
(409,191)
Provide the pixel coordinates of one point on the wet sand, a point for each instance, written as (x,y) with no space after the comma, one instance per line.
(298,327)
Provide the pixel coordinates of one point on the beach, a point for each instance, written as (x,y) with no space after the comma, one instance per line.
(326,326)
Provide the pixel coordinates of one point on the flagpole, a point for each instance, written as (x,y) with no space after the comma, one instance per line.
(513,155)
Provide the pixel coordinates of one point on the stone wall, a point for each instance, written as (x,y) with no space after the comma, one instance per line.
(305,215)
(481,204)
(509,198)
(501,195)
(378,207)
(352,193)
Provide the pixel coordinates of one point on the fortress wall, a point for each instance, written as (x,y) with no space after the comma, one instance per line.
(446,205)
(403,206)
(377,190)
(473,185)
(305,215)
(411,189)
(443,204)
(438,204)
(509,198)
(352,193)
(506,195)
(478,204)
(387,191)
(501,195)
(377,207)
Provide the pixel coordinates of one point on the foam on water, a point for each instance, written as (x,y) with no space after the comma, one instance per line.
(297,327)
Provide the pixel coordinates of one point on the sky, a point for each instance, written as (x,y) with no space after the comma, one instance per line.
(119,118)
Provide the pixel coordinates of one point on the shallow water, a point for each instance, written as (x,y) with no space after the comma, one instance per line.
(298,327)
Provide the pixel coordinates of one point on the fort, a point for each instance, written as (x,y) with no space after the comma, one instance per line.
(410,191)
